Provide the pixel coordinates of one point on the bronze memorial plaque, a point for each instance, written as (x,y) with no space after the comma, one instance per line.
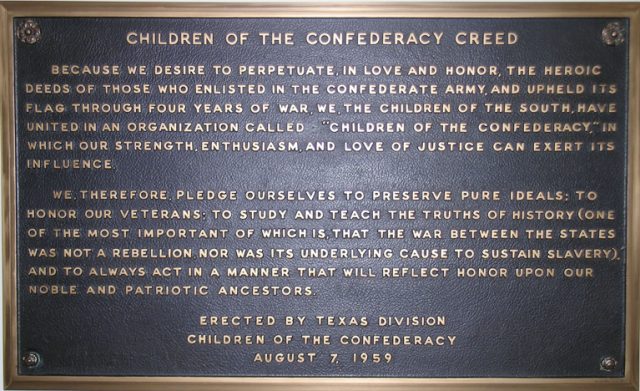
(353,196)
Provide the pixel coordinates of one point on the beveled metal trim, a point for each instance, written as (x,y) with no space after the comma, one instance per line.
(10,10)
(9,205)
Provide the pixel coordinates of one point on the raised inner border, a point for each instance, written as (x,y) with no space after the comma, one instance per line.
(10,10)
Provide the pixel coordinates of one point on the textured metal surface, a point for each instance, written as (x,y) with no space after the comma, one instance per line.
(534,328)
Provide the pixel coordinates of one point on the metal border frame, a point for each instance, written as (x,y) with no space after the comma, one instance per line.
(9,10)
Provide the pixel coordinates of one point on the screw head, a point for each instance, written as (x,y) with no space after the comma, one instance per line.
(613,34)
(29,32)
(608,364)
(31,359)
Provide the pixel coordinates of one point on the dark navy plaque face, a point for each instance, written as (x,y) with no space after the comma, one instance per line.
(520,325)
